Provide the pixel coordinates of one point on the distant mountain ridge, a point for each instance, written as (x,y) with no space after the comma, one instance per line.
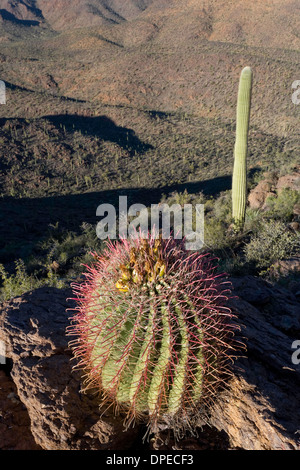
(158,54)
(20,11)
(67,14)
(263,23)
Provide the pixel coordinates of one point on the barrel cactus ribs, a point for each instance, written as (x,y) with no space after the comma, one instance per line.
(152,329)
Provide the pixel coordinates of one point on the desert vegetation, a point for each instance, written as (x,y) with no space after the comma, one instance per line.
(140,98)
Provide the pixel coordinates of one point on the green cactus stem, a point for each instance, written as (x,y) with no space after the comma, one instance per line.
(239,179)
(153,332)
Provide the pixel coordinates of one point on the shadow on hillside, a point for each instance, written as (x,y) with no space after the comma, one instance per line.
(10,17)
(210,187)
(13,87)
(102,127)
(158,114)
(24,222)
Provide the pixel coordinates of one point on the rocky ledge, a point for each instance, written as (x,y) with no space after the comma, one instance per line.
(258,410)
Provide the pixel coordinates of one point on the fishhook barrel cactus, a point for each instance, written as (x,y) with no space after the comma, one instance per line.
(152,328)
(239,178)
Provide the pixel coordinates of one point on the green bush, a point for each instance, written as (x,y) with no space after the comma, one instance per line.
(281,206)
(68,249)
(183,198)
(16,284)
(222,207)
(215,236)
(274,242)
(254,220)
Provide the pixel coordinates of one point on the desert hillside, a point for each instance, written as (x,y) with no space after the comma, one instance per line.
(63,14)
(269,23)
(138,98)
(166,56)
(144,101)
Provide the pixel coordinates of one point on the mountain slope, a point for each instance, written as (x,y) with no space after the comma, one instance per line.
(21,11)
(168,55)
(265,23)
(67,14)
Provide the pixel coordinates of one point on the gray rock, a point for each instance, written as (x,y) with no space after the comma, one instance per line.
(258,409)
(62,418)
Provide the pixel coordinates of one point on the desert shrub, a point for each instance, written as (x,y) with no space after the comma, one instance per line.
(215,235)
(68,249)
(58,258)
(18,283)
(209,205)
(282,205)
(254,219)
(217,217)
(177,198)
(272,243)
(183,198)
(222,207)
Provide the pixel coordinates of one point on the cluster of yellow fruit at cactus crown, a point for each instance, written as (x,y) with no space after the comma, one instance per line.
(145,265)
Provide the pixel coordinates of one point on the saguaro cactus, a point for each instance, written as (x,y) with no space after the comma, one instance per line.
(239,179)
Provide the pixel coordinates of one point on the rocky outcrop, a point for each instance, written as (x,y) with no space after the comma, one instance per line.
(286,267)
(259,409)
(33,330)
(15,433)
(260,193)
(272,185)
(291,181)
